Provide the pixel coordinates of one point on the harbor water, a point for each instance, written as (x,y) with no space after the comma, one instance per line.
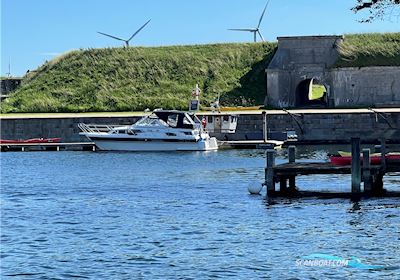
(103,215)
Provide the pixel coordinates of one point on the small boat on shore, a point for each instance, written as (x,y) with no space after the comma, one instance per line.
(344,158)
(163,130)
(30,141)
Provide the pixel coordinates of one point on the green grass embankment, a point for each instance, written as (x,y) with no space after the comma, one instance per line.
(136,78)
(370,49)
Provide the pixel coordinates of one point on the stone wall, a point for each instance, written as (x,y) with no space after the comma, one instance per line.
(318,127)
(321,127)
(368,86)
(297,59)
(312,57)
(66,128)
(340,127)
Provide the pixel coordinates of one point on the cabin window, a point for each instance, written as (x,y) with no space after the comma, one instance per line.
(186,121)
(122,131)
(172,120)
(210,119)
(233,119)
(226,118)
(187,133)
(170,134)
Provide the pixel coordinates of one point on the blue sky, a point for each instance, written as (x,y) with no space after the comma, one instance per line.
(35,31)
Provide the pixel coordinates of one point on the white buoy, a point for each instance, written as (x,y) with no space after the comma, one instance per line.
(255,188)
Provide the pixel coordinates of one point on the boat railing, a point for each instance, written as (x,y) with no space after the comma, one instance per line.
(96,128)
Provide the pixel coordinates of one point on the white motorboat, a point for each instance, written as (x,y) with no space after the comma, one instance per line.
(163,130)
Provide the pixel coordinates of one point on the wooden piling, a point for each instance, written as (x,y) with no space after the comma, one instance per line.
(282,184)
(367,171)
(355,166)
(377,187)
(292,154)
(292,159)
(269,172)
(383,155)
(264,117)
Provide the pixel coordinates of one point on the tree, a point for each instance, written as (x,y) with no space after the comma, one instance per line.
(377,9)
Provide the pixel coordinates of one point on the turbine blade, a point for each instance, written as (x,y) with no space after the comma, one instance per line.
(139,30)
(262,15)
(111,36)
(242,29)
(262,38)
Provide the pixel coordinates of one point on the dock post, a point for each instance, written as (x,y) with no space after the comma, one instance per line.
(282,184)
(355,167)
(378,183)
(292,154)
(367,171)
(269,172)
(264,116)
(383,154)
(292,159)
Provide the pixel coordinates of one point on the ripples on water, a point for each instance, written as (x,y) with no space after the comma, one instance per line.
(181,215)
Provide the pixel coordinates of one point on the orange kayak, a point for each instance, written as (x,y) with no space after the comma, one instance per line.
(375,159)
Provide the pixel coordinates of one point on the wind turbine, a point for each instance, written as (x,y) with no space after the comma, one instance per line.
(256,29)
(123,40)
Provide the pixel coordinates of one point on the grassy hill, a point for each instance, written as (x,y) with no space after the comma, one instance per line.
(370,49)
(136,78)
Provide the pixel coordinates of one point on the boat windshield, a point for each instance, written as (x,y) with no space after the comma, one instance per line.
(150,121)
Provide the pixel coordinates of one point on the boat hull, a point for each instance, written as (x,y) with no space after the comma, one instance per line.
(33,140)
(375,160)
(155,145)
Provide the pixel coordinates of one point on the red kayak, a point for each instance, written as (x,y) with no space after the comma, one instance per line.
(33,140)
(375,160)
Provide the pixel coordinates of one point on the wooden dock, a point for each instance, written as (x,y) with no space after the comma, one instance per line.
(90,146)
(371,175)
(251,144)
(22,147)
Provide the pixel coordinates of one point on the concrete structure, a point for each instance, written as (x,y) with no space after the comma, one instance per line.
(367,86)
(65,128)
(299,60)
(314,126)
(8,85)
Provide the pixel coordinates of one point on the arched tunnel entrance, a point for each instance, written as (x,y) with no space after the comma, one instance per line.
(311,93)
